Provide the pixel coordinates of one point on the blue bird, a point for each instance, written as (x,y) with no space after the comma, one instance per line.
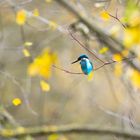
(86,64)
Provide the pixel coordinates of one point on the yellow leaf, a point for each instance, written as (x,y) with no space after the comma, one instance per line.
(53,137)
(56,137)
(135,78)
(103,50)
(7,132)
(54,58)
(28,44)
(104,15)
(20,129)
(53,25)
(48,1)
(132,32)
(90,76)
(44,86)
(36,12)
(16,102)
(21,17)
(26,53)
(131,36)
(117,57)
(118,69)
(42,64)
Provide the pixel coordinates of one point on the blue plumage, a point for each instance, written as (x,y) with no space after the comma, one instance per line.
(86,64)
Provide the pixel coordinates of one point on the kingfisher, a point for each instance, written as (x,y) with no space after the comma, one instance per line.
(86,64)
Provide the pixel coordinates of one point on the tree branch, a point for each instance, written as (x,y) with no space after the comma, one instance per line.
(67,129)
(7,119)
(5,115)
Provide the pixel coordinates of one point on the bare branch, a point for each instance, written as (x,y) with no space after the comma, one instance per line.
(9,118)
(104,64)
(82,45)
(117,18)
(66,70)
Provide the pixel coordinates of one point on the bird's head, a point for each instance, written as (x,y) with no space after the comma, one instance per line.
(80,58)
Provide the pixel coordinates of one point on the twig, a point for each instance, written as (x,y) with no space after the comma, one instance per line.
(39,18)
(9,117)
(116,17)
(66,70)
(2,27)
(112,61)
(104,64)
(82,45)
(12,78)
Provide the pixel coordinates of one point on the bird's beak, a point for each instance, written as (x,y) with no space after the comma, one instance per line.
(75,61)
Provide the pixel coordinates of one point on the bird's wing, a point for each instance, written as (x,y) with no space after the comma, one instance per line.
(83,66)
(91,64)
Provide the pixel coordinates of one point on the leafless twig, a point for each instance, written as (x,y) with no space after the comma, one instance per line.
(117,18)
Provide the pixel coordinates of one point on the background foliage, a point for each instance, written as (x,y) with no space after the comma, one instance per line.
(34,37)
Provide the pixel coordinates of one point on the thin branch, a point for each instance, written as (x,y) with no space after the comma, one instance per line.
(23,38)
(117,18)
(82,45)
(104,64)
(39,18)
(9,119)
(66,70)
(8,116)
(13,79)
(112,61)
(25,2)
(2,27)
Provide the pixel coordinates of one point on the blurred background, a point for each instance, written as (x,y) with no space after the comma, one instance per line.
(34,37)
